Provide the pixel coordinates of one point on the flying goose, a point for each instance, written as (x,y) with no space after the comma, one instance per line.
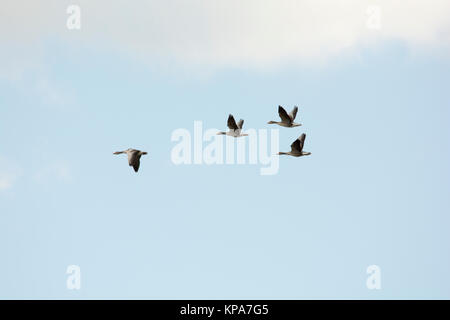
(235,129)
(134,157)
(287,120)
(297,148)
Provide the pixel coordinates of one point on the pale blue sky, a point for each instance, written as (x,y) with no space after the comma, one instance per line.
(374,191)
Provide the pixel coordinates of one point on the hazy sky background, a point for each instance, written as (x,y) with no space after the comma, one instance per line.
(374,104)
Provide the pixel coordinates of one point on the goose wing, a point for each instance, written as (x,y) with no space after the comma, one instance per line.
(302,141)
(232,123)
(293,113)
(240,123)
(297,145)
(136,164)
(284,115)
(134,159)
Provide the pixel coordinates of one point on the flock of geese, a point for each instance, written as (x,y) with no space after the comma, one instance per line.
(287,120)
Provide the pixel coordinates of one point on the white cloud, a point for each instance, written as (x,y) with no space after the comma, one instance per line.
(29,74)
(5,182)
(55,171)
(9,173)
(253,33)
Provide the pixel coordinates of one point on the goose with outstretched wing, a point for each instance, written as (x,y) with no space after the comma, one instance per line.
(235,128)
(297,148)
(134,157)
(287,120)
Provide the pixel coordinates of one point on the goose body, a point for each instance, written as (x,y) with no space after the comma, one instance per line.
(134,157)
(235,128)
(287,120)
(297,148)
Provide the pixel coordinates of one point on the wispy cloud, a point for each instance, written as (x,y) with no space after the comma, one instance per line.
(9,173)
(255,33)
(59,171)
(56,171)
(29,74)
(5,182)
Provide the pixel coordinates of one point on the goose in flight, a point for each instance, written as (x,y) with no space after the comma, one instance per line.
(235,129)
(134,157)
(297,148)
(287,120)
